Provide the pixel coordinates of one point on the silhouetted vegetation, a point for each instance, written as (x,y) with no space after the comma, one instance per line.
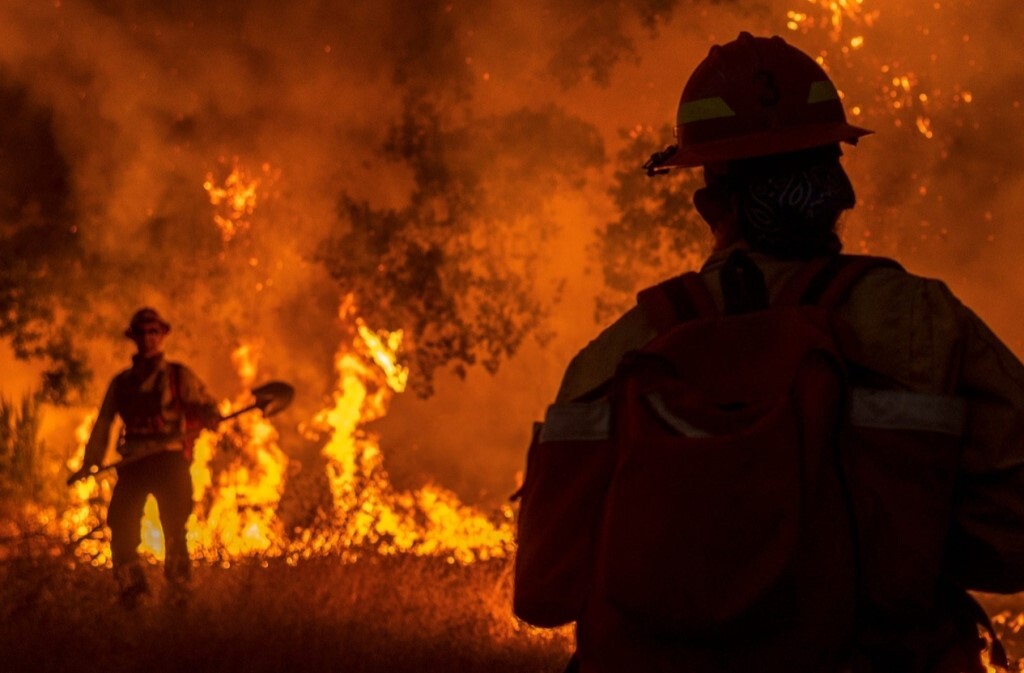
(391,615)
(658,234)
(457,268)
(27,465)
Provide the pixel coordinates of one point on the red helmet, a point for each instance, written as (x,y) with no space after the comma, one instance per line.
(753,97)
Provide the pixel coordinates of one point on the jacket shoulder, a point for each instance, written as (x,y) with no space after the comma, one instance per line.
(893,289)
(120,378)
(596,363)
(909,327)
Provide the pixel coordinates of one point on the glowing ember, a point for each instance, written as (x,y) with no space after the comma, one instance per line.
(1011,622)
(235,200)
(832,15)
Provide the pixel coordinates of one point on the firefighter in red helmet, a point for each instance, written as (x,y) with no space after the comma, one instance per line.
(927,436)
(161,405)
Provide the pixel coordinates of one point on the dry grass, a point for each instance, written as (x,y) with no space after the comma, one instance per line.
(380,614)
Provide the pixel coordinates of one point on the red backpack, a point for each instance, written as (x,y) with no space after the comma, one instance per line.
(703,499)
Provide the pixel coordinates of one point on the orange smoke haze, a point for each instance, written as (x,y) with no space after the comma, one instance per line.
(128,124)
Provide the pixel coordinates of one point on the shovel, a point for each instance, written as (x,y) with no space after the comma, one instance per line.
(271,398)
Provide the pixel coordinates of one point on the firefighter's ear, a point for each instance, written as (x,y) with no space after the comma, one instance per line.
(716,207)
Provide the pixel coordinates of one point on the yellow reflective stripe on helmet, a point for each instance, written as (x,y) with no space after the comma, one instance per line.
(822,91)
(705,108)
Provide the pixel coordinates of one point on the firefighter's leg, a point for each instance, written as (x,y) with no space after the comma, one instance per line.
(174,499)
(124,517)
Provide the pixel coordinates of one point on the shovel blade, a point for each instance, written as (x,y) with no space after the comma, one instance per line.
(273,397)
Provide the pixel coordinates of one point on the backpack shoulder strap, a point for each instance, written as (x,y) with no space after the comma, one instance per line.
(827,281)
(677,300)
(824,281)
(174,379)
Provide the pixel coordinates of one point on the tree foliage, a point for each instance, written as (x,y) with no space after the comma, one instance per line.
(657,234)
(456,267)
(40,252)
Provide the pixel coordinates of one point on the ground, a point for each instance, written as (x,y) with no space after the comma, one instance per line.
(377,614)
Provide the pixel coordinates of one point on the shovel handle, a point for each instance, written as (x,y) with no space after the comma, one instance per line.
(238,413)
(94,470)
(85,472)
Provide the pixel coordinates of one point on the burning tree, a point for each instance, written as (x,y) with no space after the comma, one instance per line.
(457,268)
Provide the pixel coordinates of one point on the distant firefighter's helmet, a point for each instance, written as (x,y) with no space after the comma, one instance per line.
(752,97)
(145,316)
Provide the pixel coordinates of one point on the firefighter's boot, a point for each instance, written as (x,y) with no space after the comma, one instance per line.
(131,584)
(178,571)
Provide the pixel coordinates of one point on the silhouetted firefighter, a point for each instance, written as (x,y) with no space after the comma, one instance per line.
(163,405)
(793,460)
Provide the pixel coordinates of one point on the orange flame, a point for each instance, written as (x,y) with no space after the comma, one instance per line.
(81,522)
(369,512)
(236,513)
(236,199)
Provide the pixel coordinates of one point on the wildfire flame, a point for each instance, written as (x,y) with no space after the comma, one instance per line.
(240,472)
(238,475)
(369,512)
(82,521)
(236,199)
(236,505)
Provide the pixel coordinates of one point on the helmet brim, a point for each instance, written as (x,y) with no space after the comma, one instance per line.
(765,143)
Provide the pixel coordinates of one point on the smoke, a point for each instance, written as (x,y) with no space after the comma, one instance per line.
(460,169)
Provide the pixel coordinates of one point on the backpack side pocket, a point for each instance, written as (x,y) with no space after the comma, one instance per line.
(568,467)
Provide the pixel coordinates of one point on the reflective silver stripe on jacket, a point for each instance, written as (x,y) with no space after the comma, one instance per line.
(902,410)
(673,420)
(578,421)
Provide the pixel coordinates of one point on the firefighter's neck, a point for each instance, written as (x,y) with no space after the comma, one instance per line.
(725,231)
(725,238)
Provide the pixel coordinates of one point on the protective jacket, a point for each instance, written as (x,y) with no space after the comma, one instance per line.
(153,398)
(930,354)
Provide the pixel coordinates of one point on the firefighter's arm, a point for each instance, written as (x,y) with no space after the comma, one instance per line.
(99,439)
(987,545)
(199,403)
